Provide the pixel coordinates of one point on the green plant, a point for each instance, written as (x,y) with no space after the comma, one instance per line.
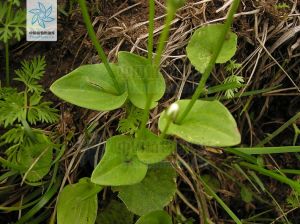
(282,5)
(29,150)
(155,217)
(83,206)
(236,80)
(115,212)
(131,123)
(12,25)
(297,133)
(135,164)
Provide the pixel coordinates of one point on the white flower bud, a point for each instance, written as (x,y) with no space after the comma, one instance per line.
(172,111)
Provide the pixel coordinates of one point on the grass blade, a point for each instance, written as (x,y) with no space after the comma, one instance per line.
(268,150)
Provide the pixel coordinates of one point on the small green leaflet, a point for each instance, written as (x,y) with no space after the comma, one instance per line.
(131,123)
(14,25)
(202,46)
(11,109)
(78,203)
(43,112)
(13,136)
(246,194)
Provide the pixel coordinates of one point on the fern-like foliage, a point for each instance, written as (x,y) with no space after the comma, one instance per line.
(232,66)
(42,113)
(11,109)
(20,110)
(6,91)
(30,73)
(131,123)
(236,79)
(12,20)
(13,136)
(282,6)
(15,2)
(17,108)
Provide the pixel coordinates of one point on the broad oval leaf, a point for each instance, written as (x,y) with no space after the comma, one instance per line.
(155,217)
(36,158)
(153,193)
(202,46)
(208,123)
(151,148)
(142,79)
(77,203)
(119,165)
(90,86)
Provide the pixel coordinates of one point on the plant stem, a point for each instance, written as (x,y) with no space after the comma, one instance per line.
(212,61)
(96,43)
(161,44)
(24,122)
(164,35)
(25,103)
(146,113)
(268,150)
(162,41)
(219,200)
(151,29)
(150,54)
(41,204)
(164,132)
(7,48)
(295,185)
(297,133)
(279,130)
(203,211)
(7,63)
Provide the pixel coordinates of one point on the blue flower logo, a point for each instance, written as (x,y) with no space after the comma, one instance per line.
(41,15)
